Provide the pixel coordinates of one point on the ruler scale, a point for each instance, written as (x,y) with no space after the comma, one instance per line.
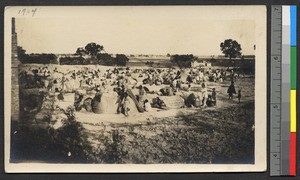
(283,91)
(275,95)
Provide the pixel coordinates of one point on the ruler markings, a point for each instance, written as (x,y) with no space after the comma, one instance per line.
(283,91)
(275,141)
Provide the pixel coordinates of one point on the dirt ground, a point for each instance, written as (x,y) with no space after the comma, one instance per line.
(220,134)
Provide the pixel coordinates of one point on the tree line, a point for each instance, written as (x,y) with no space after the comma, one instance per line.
(230,48)
(94,53)
(36,58)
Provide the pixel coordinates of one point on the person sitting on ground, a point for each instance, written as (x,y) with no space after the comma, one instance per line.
(231,90)
(163,92)
(158,103)
(103,88)
(190,100)
(211,100)
(148,90)
(170,90)
(147,106)
(146,81)
(95,107)
(77,101)
(189,88)
(189,79)
(60,96)
(157,81)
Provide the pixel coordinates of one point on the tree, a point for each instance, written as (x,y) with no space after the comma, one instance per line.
(93,49)
(80,51)
(231,48)
(121,60)
(36,58)
(72,60)
(183,61)
(106,59)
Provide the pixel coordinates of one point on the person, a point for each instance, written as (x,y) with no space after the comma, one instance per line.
(214,95)
(63,81)
(147,105)
(231,90)
(204,94)
(141,94)
(189,79)
(211,100)
(178,85)
(77,102)
(119,99)
(239,95)
(122,101)
(158,103)
(125,103)
(189,88)
(103,88)
(232,75)
(169,91)
(96,103)
(221,79)
(60,96)
(162,92)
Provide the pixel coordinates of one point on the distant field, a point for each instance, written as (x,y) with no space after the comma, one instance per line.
(158,62)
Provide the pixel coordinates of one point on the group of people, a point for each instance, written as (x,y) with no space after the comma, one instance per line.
(121,82)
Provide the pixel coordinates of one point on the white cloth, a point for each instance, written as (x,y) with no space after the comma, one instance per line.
(148,107)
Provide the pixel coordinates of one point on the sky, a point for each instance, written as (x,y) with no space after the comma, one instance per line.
(138,30)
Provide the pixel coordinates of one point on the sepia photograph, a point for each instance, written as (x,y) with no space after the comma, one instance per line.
(135,89)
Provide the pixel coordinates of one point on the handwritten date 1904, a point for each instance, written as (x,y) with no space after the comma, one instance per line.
(26,11)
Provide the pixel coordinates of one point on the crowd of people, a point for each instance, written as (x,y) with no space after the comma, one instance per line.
(131,84)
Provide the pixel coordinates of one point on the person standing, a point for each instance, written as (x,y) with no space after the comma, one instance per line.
(125,104)
(231,90)
(204,94)
(123,101)
(178,85)
(121,93)
(141,94)
(63,81)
